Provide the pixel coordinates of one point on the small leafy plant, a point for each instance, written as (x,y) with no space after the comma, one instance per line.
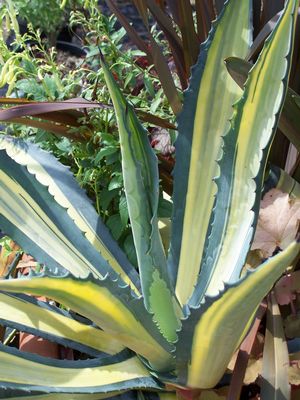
(49,15)
(176,323)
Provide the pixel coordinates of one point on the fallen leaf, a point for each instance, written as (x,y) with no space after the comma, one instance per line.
(286,288)
(6,260)
(161,141)
(254,369)
(277,222)
(294,374)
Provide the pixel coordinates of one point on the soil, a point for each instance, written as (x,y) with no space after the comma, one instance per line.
(68,60)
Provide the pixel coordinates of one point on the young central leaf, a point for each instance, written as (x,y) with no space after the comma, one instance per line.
(141,181)
(161,301)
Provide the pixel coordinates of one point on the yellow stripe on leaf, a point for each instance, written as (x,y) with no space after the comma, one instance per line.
(22,157)
(216,94)
(19,311)
(226,320)
(97,302)
(13,367)
(254,120)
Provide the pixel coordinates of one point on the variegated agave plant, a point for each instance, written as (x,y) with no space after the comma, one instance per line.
(180,319)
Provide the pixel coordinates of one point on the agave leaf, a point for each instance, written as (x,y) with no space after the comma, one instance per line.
(243,161)
(40,319)
(159,395)
(61,396)
(44,375)
(289,120)
(110,306)
(167,396)
(278,178)
(240,366)
(258,43)
(140,172)
(202,123)
(130,395)
(39,195)
(275,380)
(225,318)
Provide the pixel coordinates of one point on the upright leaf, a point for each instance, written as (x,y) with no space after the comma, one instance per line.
(243,161)
(205,15)
(203,122)
(289,120)
(188,33)
(166,25)
(140,174)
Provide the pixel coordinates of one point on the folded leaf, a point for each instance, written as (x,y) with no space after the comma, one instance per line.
(140,172)
(203,122)
(40,319)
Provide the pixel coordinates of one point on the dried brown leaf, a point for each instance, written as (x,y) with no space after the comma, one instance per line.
(6,260)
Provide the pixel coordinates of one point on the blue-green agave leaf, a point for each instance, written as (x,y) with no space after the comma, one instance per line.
(109,304)
(115,374)
(242,165)
(43,208)
(140,172)
(214,329)
(26,314)
(202,123)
